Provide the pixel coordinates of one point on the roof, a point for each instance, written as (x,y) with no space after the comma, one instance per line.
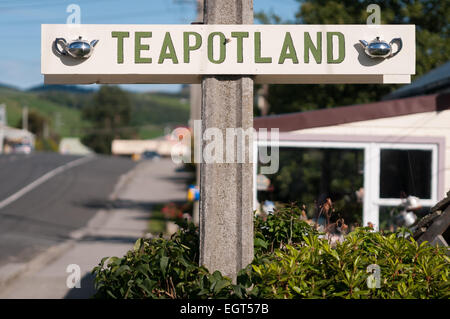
(354,113)
(16,133)
(437,80)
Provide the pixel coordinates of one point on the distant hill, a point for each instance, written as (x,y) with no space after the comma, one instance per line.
(61,88)
(62,105)
(63,120)
(152,112)
(6,86)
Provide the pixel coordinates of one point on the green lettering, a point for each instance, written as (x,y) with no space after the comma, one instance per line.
(309,47)
(341,40)
(120,36)
(211,48)
(258,57)
(138,47)
(188,48)
(288,45)
(168,44)
(240,44)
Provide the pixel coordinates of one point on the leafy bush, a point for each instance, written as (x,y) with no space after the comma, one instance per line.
(291,261)
(160,268)
(285,227)
(316,270)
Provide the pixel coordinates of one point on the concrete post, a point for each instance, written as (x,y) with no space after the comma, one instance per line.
(25,118)
(226,189)
(196,106)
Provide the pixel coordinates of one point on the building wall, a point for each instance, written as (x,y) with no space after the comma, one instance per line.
(129,147)
(429,124)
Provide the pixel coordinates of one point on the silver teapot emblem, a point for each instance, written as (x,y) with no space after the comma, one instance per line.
(381,49)
(78,49)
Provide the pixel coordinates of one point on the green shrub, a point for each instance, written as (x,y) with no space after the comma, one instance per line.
(291,261)
(286,226)
(316,270)
(160,268)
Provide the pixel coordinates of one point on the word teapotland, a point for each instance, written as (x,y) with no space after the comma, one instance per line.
(272,54)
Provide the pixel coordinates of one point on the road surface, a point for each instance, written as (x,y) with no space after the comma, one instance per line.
(47,214)
(113,230)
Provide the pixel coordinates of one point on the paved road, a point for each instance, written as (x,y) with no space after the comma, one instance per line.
(111,232)
(19,170)
(49,213)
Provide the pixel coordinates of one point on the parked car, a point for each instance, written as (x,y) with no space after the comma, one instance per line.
(150,155)
(22,149)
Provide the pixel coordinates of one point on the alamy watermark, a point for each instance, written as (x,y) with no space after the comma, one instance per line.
(375,14)
(74,279)
(374,279)
(231,145)
(75,14)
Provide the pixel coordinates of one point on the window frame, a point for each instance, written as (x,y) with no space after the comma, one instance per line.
(371,176)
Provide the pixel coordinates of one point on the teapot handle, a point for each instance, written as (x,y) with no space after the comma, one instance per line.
(399,44)
(64,42)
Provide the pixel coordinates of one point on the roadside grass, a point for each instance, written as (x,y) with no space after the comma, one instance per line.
(157,221)
(164,218)
(150,131)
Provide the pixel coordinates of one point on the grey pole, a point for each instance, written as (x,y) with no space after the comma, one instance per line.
(226,189)
(196,106)
(25,118)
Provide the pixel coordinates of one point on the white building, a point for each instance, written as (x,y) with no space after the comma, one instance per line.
(12,137)
(415,126)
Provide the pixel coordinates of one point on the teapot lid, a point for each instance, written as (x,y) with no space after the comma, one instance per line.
(377,40)
(80,39)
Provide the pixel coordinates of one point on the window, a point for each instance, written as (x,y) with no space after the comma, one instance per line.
(386,171)
(405,172)
(400,170)
(310,175)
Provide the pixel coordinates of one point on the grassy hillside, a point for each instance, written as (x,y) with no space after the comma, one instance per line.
(64,120)
(152,112)
(62,106)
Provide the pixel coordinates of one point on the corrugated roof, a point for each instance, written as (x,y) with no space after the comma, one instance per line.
(434,81)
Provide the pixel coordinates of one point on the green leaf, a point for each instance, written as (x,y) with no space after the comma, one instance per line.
(122,269)
(297,289)
(220,284)
(163,264)
(138,244)
(258,242)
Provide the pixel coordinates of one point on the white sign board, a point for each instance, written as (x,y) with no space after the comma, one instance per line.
(271,53)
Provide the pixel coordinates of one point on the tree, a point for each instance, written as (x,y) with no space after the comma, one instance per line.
(36,122)
(40,126)
(432,48)
(110,112)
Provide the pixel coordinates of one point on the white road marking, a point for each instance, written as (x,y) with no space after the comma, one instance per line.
(43,179)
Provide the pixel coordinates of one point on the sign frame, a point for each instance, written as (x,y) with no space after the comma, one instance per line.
(299,54)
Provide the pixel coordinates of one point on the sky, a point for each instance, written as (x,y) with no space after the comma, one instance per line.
(20,22)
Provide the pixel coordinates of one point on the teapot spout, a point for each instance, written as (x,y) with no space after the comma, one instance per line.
(94,43)
(364,43)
